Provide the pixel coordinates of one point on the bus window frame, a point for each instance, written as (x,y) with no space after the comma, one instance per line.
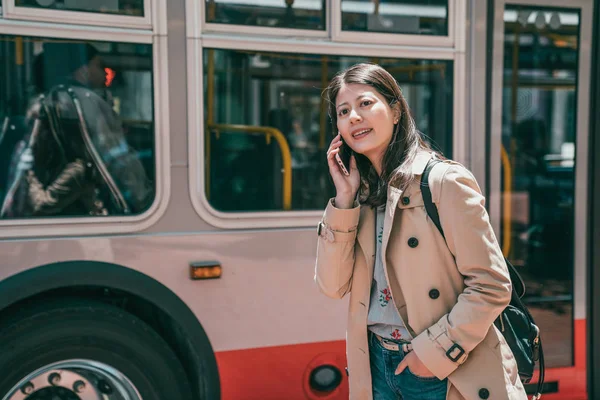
(456,19)
(196,123)
(196,25)
(147,22)
(88,225)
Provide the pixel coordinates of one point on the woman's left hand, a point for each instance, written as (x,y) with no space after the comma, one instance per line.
(414,364)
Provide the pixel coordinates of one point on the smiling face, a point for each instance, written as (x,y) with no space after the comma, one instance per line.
(365,120)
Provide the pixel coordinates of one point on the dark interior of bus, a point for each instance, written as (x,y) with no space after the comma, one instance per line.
(539,129)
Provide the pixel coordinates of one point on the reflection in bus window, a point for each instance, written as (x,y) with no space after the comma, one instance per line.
(77,129)
(273,14)
(121,7)
(422,17)
(538,148)
(267,127)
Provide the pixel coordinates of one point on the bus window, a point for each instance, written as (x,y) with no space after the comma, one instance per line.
(299,15)
(267,128)
(77,128)
(121,7)
(423,17)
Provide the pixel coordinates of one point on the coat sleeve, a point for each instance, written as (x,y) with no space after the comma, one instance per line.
(335,250)
(59,194)
(469,236)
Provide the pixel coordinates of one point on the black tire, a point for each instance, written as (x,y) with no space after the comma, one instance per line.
(93,331)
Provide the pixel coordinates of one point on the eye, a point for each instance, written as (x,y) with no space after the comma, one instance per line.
(342,112)
(366,103)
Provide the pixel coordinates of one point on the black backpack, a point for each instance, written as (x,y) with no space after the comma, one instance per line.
(515,322)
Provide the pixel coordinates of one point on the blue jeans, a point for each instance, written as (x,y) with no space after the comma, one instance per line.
(406,386)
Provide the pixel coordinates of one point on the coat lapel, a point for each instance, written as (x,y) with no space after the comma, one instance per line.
(394,195)
(390,210)
(366,235)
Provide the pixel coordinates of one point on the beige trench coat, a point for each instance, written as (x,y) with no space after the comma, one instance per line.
(448,306)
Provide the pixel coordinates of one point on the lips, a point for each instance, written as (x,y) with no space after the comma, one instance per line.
(357,134)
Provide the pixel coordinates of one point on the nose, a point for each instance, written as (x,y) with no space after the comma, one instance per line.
(354,117)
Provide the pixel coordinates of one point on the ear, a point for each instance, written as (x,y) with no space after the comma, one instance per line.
(397,113)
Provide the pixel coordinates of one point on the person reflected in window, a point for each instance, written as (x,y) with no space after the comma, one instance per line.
(422,308)
(78,161)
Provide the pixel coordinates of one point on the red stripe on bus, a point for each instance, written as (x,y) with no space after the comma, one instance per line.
(572,384)
(281,372)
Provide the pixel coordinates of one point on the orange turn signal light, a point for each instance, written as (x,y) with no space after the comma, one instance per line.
(205,270)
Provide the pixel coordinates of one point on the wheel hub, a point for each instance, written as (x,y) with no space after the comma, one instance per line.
(74,380)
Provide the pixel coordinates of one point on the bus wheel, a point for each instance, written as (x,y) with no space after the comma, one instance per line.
(87,350)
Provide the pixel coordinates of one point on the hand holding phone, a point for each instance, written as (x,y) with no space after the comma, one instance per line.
(343,171)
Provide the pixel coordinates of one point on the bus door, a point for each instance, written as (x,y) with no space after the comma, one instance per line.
(538,170)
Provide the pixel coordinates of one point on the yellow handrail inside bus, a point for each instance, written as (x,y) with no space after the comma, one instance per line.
(286,155)
(19,50)
(506,161)
(506,203)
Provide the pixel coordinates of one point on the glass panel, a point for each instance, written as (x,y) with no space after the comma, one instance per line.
(423,17)
(121,7)
(297,14)
(538,157)
(77,128)
(258,92)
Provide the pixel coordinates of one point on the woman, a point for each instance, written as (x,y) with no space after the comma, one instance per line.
(421,312)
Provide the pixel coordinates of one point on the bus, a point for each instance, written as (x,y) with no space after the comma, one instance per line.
(163,172)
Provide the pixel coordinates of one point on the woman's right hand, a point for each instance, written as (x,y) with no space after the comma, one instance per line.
(346,187)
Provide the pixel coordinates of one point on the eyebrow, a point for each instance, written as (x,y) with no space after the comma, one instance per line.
(359,97)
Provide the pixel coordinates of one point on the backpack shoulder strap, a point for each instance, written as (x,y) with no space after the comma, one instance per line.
(426,193)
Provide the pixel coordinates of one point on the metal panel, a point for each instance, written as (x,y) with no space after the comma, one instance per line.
(594,265)
(477,93)
(81,32)
(87,18)
(324,47)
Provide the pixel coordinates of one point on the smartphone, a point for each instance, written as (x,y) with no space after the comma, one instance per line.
(343,158)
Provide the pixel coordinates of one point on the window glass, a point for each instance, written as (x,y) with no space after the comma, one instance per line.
(539,113)
(76,128)
(422,17)
(297,14)
(257,105)
(121,7)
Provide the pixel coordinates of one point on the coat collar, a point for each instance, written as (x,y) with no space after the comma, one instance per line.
(421,161)
(418,167)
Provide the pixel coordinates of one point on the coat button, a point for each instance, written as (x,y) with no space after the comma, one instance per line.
(406,201)
(484,394)
(434,293)
(413,242)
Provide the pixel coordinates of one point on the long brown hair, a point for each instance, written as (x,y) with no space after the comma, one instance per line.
(406,140)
